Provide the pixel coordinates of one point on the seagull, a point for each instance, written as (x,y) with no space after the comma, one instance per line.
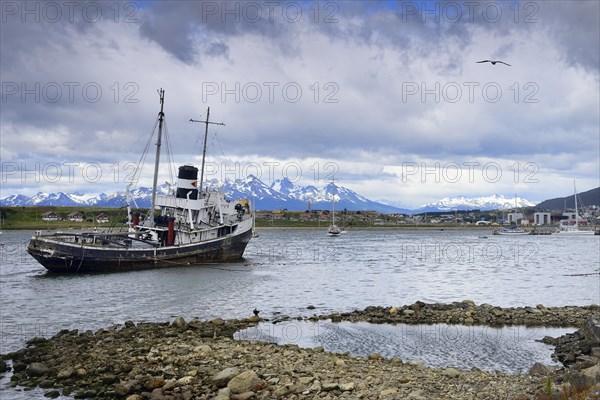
(493,62)
(255,311)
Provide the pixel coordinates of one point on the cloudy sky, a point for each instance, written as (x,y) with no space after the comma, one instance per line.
(384,97)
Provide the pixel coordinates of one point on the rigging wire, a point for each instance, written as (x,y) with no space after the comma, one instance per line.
(140,165)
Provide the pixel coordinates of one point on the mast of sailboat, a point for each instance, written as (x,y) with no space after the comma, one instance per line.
(161,116)
(205,140)
(576,211)
(333,210)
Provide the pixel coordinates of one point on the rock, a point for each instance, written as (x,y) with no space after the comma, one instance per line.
(531,310)
(52,394)
(393,311)
(469,303)
(591,331)
(336,318)
(305,380)
(497,312)
(388,393)
(592,373)
(37,369)
(66,373)
(46,384)
(339,362)
(123,389)
(222,378)
(549,340)
(243,382)
(203,349)
(223,394)
(217,321)
(254,318)
(451,372)
(311,307)
(347,387)
(3,366)
(243,396)
(155,382)
(469,321)
(329,386)
(19,366)
(157,394)
(134,397)
(539,369)
(408,312)
(417,395)
(186,380)
(179,322)
(280,392)
(375,356)
(316,387)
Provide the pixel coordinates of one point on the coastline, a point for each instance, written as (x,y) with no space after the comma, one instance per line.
(200,359)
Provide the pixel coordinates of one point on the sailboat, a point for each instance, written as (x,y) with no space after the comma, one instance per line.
(573,230)
(333,228)
(188,226)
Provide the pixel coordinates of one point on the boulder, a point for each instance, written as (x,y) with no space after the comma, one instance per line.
(451,372)
(52,394)
(591,331)
(539,369)
(593,373)
(243,382)
(222,378)
(37,369)
(179,322)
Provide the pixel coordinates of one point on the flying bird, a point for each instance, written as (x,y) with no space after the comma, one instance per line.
(493,62)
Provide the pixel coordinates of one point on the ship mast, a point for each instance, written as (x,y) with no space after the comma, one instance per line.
(161,116)
(207,122)
(576,210)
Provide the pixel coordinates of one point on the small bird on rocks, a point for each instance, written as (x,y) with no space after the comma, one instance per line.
(493,62)
(255,311)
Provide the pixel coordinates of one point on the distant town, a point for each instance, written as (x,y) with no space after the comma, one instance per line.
(54,217)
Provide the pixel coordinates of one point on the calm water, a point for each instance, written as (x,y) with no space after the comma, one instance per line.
(511,349)
(287,270)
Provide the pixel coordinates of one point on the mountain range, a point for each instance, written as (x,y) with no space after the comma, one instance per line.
(280,194)
(460,203)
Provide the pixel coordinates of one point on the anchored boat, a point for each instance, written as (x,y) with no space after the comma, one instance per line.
(187,226)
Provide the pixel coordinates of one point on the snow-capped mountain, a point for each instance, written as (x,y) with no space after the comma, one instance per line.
(282,194)
(494,202)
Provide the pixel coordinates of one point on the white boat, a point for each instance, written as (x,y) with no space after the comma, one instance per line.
(513,231)
(573,230)
(333,228)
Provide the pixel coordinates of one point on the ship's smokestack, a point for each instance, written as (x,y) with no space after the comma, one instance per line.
(187,179)
(171,232)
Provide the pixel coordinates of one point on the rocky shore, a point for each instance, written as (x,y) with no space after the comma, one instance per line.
(200,360)
(468,313)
